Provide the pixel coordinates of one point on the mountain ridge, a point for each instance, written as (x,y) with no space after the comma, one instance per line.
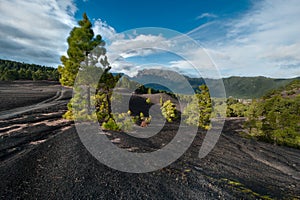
(235,86)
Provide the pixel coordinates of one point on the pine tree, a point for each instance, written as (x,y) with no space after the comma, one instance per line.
(85,54)
(81,42)
(199,110)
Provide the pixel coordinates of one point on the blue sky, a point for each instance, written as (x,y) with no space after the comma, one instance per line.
(178,15)
(241,38)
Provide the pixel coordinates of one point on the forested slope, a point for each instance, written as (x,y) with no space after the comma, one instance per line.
(12,70)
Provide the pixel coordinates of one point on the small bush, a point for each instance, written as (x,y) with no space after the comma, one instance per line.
(110,125)
(148,101)
(68,115)
(124,121)
(168,110)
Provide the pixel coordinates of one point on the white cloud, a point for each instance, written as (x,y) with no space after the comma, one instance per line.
(107,32)
(206,15)
(35,31)
(123,66)
(263,41)
(138,43)
(125,46)
(128,44)
(135,45)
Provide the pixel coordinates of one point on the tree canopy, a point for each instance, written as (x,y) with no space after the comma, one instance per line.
(12,70)
(199,110)
(275,118)
(81,42)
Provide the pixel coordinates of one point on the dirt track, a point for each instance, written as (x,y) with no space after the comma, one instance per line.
(42,157)
(24,93)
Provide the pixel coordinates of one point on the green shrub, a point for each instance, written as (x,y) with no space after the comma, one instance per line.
(168,110)
(110,125)
(124,121)
(148,100)
(68,115)
(142,117)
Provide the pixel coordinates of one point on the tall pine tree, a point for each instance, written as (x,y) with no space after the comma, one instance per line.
(199,110)
(81,42)
(85,53)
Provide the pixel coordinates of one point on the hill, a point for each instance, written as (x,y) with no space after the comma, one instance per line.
(235,86)
(253,87)
(12,70)
(290,90)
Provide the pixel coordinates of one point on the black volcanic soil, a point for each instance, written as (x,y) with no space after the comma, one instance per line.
(23,93)
(42,157)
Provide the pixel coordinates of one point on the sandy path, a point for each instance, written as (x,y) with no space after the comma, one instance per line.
(61,94)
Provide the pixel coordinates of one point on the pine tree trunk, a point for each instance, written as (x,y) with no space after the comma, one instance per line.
(89,99)
(108,104)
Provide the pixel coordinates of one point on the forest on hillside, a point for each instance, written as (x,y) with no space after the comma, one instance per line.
(245,87)
(12,70)
(275,117)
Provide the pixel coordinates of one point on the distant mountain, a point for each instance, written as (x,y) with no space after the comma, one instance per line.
(166,80)
(237,87)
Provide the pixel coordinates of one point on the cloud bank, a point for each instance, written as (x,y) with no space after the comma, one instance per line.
(35,31)
(263,41)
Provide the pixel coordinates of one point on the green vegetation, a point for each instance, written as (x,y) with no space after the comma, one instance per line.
(242,188)
(276,117)
(287,90)
(110,125)
(235,108)
(236,87)
(168,110)
(142,117)
(12,70)
(84,53)
(199,110)
(229,107)
(81,42)
(120,122)
(244,87)
(125,82)
(251,87)
(219,107)
(148,100)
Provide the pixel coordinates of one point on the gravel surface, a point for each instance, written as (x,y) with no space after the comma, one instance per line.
(42,157)
(23,93)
